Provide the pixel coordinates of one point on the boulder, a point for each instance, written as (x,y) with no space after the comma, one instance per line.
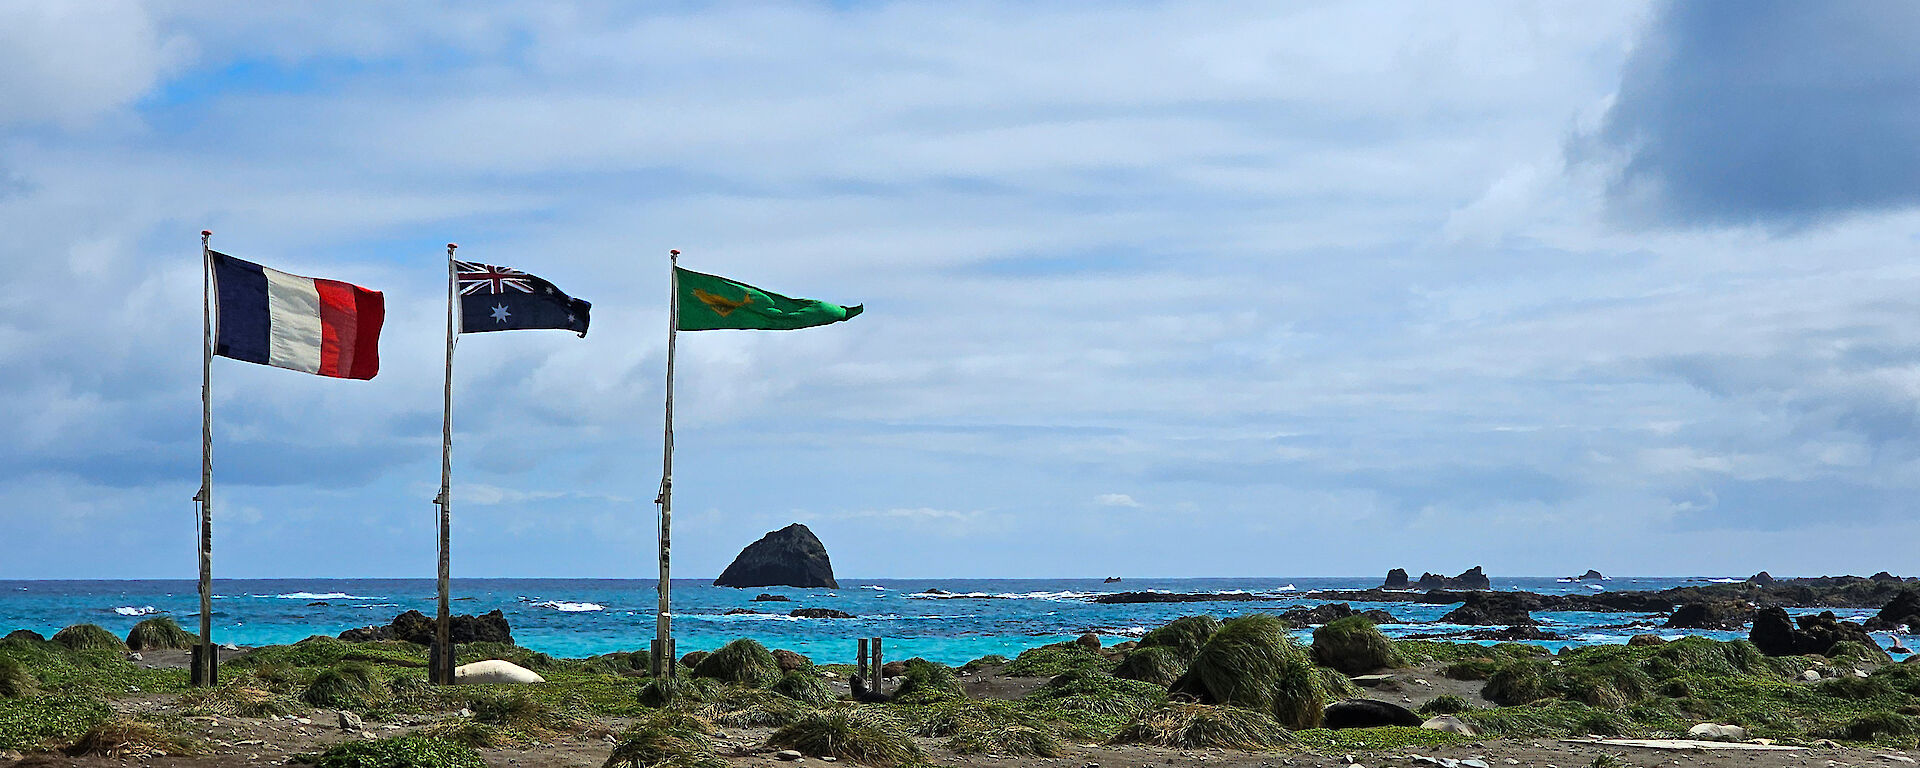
(819,613)
(1396,579)
(789,557)
(1722,615)
(893,669)
(1646,640)
(693,658)
(1473,578)
(1717,732)
(1903,609)
(1088,641)
(350,722)
(790,661)
(1489,609)
(417,627)
(494,671)
(771,598)
(1367,713)
(1775,635)
(1450,724)
(1761,579)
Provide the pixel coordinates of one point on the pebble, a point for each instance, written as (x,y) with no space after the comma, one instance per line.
(787,755)
(1897,758)
(829,759)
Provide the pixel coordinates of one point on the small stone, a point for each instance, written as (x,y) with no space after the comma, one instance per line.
(829,759)
(351,722)
(1810,675)
(464,712)
(787,755)
(1473,763)
(134,656)
(1860,674)
(305,721)
(1897,758)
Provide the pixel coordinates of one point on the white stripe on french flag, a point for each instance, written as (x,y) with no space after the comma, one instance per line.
(318,326)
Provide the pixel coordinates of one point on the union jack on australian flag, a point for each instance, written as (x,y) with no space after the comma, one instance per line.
(502,299)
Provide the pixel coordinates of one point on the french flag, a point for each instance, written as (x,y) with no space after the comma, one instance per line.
(307,324)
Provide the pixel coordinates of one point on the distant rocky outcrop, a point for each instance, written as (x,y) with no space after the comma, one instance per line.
(1326,614)
(819,613)
(789,557)
(1721,614)
(417,627)
(1761,579)
(1396,579)
(770,598)
(1883,576)
(1473,578)
(1775,635)
(1590,575)
(1903,609)
(1490,609)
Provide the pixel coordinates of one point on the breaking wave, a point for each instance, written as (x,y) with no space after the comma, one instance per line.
(570,607)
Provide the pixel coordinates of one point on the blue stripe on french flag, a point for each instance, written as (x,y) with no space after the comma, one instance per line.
(324,327)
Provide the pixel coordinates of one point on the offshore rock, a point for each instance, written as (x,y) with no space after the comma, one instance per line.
(1396,579)
(1904,608)
(789,557)
(818,613)
(1473,578)
(417,627)
(1761,579)
(1489,609)
(1590,575)
(1723,615)
(1324,614)
(1775,635)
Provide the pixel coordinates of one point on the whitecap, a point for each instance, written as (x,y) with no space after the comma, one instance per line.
(379,605)
(570,607)
(128,610)
(870,586)
(1726,581)
(1595,586)
(319,596)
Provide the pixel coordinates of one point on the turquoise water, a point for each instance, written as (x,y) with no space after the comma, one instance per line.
(583,617)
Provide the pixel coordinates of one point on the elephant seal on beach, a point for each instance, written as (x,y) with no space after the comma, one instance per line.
(1367,713)
(494,671)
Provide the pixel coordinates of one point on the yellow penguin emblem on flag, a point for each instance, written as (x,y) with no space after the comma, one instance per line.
(722,305)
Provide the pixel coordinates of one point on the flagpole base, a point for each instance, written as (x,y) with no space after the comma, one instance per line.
(440,665)
(204,666)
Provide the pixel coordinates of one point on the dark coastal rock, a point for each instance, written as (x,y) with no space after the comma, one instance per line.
(1367,713)
(1903,609)
(1112,580)
(1884,576)
(768,598)
(1722,615)
(789,660)
(1490,608)
(1396,579)
(819,613)
(789,557)
(1088,641)
(743,611)
(893,669)
(1473,578)
(1590,575)
(1646,640)
(1761,579)
(934,591)
(1775,635)
(1499,635)
(1325,614)
(417,627)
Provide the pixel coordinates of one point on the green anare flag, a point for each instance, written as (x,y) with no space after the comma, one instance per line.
(710,303)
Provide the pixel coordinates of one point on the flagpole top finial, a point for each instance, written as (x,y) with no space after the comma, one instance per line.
(206,233)
(673,251)
(451,246)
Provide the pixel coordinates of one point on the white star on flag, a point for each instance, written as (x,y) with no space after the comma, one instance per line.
(500,313)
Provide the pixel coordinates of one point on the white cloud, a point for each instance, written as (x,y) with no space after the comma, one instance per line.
(1116,500)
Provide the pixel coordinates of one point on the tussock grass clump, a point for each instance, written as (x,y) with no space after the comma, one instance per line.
(410,751)
(861,734)
(743,661)
(1880,726)
(991,659)
(1253,663)
(955,716)
(1553,718)
(24,637)
(1850,650)
(1354,646)
(324,651)
(1610,684)
(1197,726)
(666,740)
(1157,664)
(236,699)
(1703,656)
(673,691)
(1446,704)
(16,681)
(804,686)
(926,681)
(123,738)
(1519,683)
(750,708)
(1007,738)
(159,632)
(88,637)
(467,731)
(1183,635)
(1099,694)
(25,723)
(1056,659)
(524,717)
(1904,678)
(350,685)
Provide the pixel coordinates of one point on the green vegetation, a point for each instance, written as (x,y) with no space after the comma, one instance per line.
(88,637)
(991,659)
(1183,635)
(865,735)
(25,723)
(926,681)
(159,632)
(1446,704)
(16,681)
(351,685)
(747,707)
(804,686)
(1195,726)
(666,740)
(1007,738)
(743,661)
(1253,663)
(399,752)
(1371,739)
(1055,659)
(1158,664)
(123,737)
(671,691)
(235,699)
(1354,646)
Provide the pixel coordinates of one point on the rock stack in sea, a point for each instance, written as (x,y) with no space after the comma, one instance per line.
(789,557)
(417,627)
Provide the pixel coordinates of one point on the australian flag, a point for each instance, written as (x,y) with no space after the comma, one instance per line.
(501,299)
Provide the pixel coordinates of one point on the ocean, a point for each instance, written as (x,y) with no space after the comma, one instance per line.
(583,617)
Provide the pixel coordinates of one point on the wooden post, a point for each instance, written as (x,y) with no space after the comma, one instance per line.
(879,665)
(206,661)
(442,656)
(663,660)
(863,664)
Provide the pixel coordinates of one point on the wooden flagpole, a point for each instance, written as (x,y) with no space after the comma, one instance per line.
(205,664)
(663,657)
(443,655)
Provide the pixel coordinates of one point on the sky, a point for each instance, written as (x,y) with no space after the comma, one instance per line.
(1151,289)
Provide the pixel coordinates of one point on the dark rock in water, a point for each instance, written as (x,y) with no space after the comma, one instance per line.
(1775,635)
(318,602)
(1723,615)
(1490,608)
(1761,579)
(1904,608)
(1645,640)
(1473,578)
(1367,713)
(789,557)
(770,598)
(1590,575)
(1883,576)
(1325,614)
(743,611)
(1500,635)
(417,627)
(26,635)
(819,613)
(790,661)
(1396,579)
(934,591)
(1112,580)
